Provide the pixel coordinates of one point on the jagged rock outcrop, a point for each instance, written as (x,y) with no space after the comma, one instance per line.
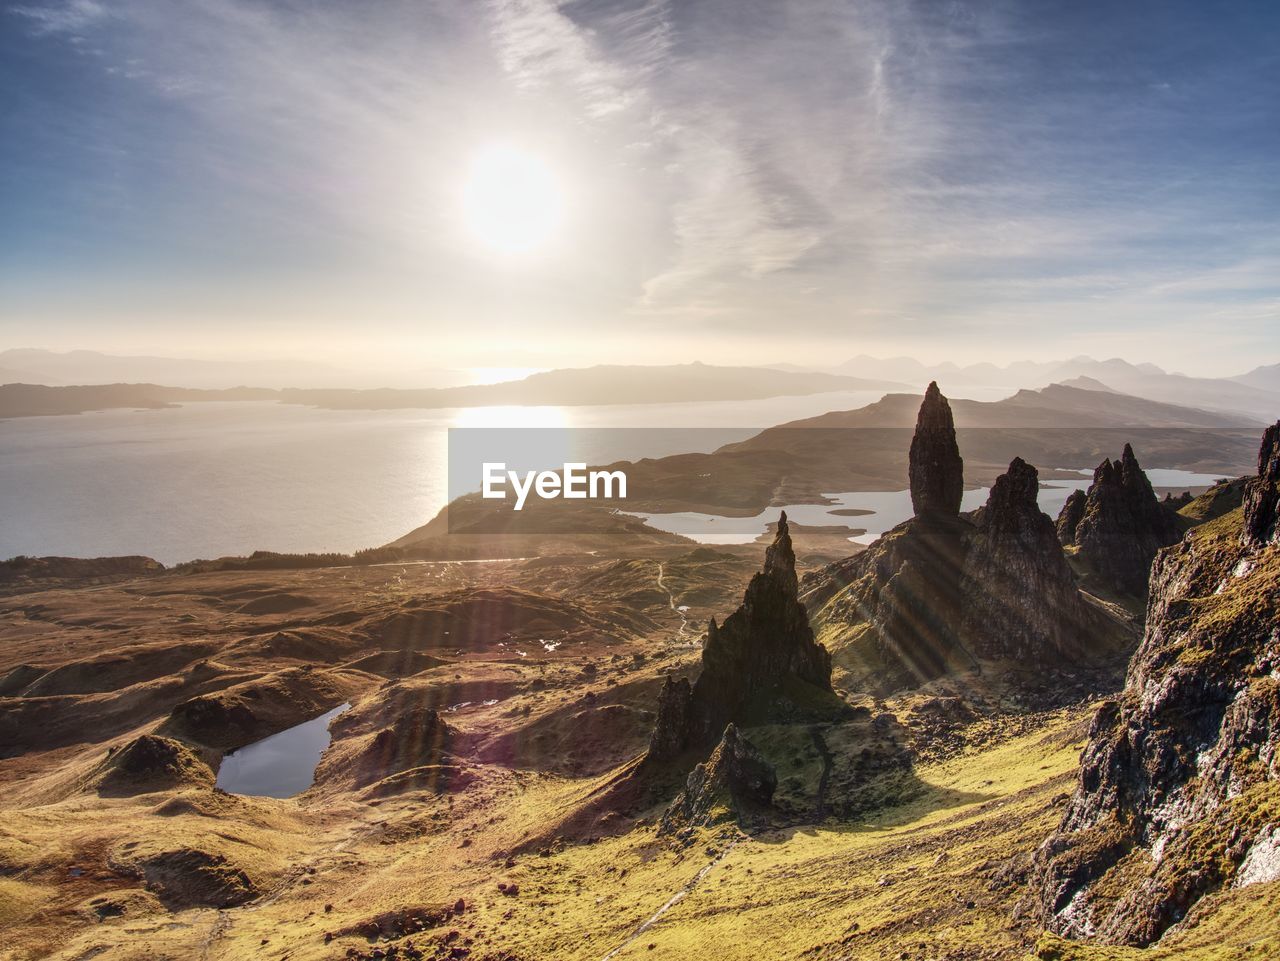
(1018,595)
(1262,493)
(941,590)
(1178,795)
(735,783)
(671,730)
(1122,525)
(935,469)
(1070,515)
(761,665)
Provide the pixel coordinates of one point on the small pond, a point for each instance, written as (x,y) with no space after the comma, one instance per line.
(281,765)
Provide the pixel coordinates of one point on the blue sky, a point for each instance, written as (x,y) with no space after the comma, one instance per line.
(742,181)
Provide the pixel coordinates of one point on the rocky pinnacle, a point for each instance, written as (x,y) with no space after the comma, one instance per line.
(752,664)
(1122,524)
(780,558)
(936,470)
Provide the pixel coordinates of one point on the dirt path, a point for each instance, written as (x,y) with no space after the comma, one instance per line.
(671,902)
(671,600)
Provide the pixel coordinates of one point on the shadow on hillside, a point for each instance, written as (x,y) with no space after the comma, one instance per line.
(913,800)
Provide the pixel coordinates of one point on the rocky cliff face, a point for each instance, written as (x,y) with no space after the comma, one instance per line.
(735,783)
(1262,493)
(1121,525)
(761,666)
(935,468)
(1179,789)
(1018,596)
(942,589)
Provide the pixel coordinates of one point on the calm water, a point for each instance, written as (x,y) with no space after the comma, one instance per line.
(207,480)
(888,510)
(281,765)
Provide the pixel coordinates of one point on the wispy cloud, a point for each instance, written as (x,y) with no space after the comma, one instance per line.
(606,67)
(71,17)
(859,167)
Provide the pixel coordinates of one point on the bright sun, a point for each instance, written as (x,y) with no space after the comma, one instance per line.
(512,200)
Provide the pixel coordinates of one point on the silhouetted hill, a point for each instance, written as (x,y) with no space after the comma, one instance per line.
(35,400)
(1057,405)
(604,384)
(1263,378)
(570,387)
(1256,394)
(56,368)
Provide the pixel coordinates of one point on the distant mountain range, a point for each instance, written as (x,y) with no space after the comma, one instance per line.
(81,367)
(1255,394)
(1263,378)
(1058,405)
(678,383)
(120,381)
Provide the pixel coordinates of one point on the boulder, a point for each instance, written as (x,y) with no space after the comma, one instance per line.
(671,730)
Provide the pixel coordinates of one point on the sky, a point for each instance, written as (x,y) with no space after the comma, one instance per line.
(735,181)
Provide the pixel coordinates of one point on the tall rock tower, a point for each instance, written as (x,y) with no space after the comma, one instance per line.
(936,470)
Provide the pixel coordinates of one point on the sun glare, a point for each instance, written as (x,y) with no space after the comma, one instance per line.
(512,202)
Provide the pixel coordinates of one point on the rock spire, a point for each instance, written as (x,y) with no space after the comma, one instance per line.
(752,665)
(936,471)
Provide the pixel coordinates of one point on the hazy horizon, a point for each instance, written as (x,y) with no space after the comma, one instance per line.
(194,370)
(538,184)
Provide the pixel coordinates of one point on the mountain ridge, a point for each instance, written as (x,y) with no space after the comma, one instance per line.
(569,387)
